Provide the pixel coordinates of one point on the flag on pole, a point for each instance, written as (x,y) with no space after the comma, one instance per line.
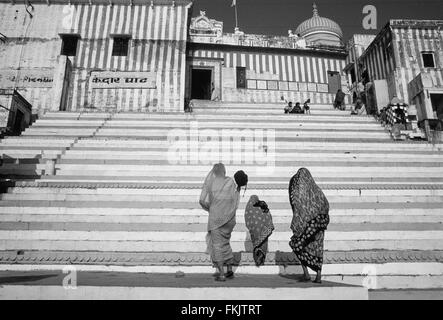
(234,3)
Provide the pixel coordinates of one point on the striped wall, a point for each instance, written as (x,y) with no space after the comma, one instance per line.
(310,70)
(378,59)
(405,61)
(357,46)
(158,44)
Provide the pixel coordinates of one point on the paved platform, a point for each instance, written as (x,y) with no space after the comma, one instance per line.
(431,294)
(115,285)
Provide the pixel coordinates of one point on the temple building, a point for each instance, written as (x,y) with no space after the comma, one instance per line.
(260,68)
(320,30)
(149,56)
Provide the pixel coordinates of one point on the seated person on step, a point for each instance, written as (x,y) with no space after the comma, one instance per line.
(288,108)
(297,109)
(306,107)
(359,108)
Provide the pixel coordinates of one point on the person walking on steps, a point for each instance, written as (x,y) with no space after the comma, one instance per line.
(220,197)
(310,220)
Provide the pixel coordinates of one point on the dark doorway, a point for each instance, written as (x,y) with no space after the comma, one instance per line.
(437,104)
(334,81)
(201,84)
(18,122)
(241,77)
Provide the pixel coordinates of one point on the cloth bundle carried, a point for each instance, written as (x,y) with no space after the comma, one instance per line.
(259,223)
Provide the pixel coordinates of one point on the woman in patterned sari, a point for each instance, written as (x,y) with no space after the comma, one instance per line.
(259,223)
(310,220)
(220,198)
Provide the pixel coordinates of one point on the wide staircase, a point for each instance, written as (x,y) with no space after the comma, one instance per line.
(119,192)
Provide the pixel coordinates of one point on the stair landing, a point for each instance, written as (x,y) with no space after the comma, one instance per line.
(113,285)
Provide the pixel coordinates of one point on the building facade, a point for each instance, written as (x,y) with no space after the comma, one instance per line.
(258,68)
(150,56)
(96,55)
(403,54)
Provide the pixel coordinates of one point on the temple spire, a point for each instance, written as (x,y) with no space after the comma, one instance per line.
(315,10)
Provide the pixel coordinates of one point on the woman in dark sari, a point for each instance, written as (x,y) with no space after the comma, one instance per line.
(259,223)
(310,220)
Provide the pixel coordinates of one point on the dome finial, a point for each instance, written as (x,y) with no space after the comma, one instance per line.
(315,11)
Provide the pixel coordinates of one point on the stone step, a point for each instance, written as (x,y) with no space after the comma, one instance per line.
(95,203)
(195,241)
(115,286)
(254,170)
(175,172)
(434,220)
(297,132)
(47,143)
(260,181)
(305,138)
(81,132)
(78,115)
(196,215)
(168,159)
(35,224)
(281,148)
(99,191)
(267,111)
(189,199)
(204,123)
(67,123)
(365,128)
(119,222)
(283,171)
(220,118)
(235,125)
(308,157)
(299,144)
(242,105)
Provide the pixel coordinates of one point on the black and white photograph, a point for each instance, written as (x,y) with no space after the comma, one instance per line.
(235,151)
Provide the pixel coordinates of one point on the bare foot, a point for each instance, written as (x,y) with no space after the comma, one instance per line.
(317,280)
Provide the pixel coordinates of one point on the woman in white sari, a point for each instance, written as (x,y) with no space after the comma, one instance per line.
(220,198)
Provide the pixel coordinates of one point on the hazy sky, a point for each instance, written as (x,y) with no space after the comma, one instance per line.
(276,17)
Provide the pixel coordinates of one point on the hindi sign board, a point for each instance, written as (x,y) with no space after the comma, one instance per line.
(123,80)
(26,78)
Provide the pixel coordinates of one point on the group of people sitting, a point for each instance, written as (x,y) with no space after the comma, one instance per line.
(358,108)
(220,197)
(297,108)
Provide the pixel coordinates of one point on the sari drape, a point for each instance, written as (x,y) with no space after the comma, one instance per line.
(310,219)
(260,226)
(220,198)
